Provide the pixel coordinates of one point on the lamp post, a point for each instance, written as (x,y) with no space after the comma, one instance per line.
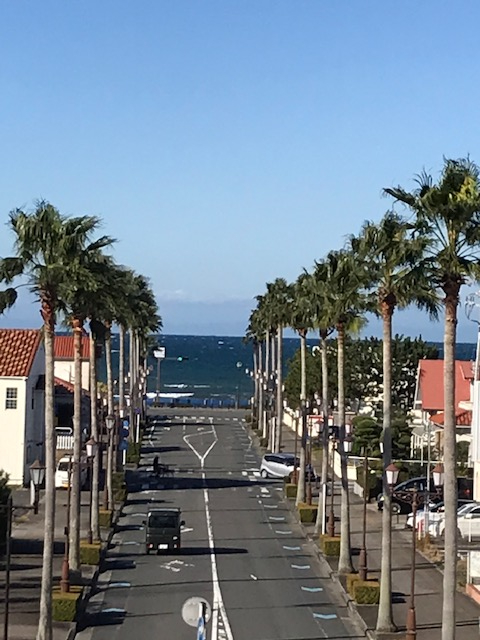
(107,495)
(65,578)
(331,514)
(91,447)
(37,475)
(362,559)
(159,354)
(295,467)
(413,498)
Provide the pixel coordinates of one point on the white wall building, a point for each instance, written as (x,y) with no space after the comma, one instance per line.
(22,401)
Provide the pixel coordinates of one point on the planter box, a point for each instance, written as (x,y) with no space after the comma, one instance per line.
(351,580)
(330,546)
(367,592)
(105,518)
(65,605)
(90,553)
(307,513)
(290,490)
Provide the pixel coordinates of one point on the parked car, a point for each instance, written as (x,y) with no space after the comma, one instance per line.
(61,472)
(435,514)
(467,527)
(281,465)
(403,506)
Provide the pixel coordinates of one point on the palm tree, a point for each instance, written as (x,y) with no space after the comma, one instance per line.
(448,214)
(47,246)
(393,259)
(344,305)
(80,297)
(319,295)
(301,319)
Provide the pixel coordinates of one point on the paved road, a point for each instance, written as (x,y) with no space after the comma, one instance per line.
(242,550)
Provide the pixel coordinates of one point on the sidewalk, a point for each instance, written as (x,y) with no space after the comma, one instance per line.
(26,565)
(428,578)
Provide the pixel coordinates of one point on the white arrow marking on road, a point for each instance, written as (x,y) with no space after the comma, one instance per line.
(311,589)
(300,566)
(325,616)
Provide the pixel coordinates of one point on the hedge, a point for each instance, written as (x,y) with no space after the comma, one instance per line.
(105,518)
(307,512)
(330,546)
(65,605)
(351,580)
(133,453)
(90,553)
(290,490)
(367,592)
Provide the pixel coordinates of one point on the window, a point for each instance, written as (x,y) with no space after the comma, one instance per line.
(11,398)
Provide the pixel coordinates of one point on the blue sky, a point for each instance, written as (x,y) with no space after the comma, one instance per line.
(227,143)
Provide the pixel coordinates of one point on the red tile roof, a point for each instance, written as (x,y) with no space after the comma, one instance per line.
(17,351)
(462,418)
(64,347)
(431,383)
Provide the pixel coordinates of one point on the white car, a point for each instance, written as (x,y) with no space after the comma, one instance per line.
(61,472)
(437,528)
(277,465)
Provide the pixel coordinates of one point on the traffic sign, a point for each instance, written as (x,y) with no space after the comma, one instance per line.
(191,609)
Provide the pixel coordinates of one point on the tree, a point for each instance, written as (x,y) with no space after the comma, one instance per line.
(393,259)
(343,306)
(448,215)
(81,296)
(47,248)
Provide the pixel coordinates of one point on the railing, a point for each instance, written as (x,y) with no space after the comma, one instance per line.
(65,443)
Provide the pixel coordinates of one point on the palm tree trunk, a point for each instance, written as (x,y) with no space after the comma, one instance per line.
(44,631)
(345,559)
(95,435)
(385,622)
(320,521)
(255,385)
(267,387)
(450,467)
(121,370)
(131,413)
(110,409)
(279,418)
(75,496)
(303,408)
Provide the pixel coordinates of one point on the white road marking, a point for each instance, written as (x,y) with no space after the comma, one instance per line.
(113,610)
(275,519)
(131,542)
(253,577)
(300,566)
(270,506)
(118,585)
(284,533)
(292,548)
(312,589)
(325,616)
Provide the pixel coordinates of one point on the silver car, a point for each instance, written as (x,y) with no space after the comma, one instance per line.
(277,465)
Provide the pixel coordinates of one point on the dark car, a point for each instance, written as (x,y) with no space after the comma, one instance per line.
(407,487)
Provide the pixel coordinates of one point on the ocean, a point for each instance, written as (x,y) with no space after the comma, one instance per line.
(214,371)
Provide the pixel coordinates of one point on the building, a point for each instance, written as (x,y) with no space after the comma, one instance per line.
(429,404)
(64,360)
(22,401)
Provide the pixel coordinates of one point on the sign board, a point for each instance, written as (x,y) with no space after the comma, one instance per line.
(159,353)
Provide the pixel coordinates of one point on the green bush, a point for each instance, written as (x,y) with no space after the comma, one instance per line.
(307,512)
(367,592)
(90,553)
(105,518)
(65,605)
(352,579)
(330,546)
(290,491)
(133,453)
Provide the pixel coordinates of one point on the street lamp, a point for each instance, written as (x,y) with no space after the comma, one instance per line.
(65,577)
(159,354)
(91,447)
(414,498)
(362,559)
(37,475)
(107,495)
(331,515)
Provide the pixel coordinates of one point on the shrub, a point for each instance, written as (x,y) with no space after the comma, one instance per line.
(90,553)
(307,512)
(367,592)
(352,579)
(133,453)
(65,605)
(290,491)
(105,518)
(330,546)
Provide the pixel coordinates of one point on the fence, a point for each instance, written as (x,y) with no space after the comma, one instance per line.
(65,443)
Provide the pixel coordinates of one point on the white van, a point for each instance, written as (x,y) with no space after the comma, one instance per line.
(61,472)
